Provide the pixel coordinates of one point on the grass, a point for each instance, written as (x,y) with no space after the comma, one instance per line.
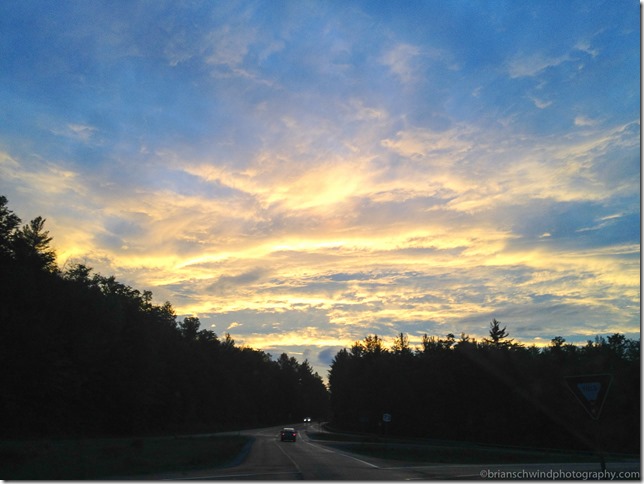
(102,458)
(432,454)
(448,453)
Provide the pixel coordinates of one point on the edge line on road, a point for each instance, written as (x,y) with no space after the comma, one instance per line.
(345,455)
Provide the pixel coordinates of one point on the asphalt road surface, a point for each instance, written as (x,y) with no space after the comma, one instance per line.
(305,459)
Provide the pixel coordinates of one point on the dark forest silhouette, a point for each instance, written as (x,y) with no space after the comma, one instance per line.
(82,355)
(493,391)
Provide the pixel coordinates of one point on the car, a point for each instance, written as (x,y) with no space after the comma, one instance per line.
(307,419)
(288,433)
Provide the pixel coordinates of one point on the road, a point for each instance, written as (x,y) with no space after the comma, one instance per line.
(270,459)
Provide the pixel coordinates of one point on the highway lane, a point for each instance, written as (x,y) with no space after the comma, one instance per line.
(271,459)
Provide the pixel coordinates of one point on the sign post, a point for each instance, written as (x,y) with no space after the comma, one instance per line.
(591,391)
(386,418)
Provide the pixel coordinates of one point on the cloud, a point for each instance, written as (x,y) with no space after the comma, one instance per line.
(327,355)
(402,60)
(533,64)
(541,104)
(42,177)
(231,285)
(584,121)
(265,272)
(228,46)
(414,143)
(584,46)
(80,132)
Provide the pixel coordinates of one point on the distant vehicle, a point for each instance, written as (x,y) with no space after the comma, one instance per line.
(307,419)
(288,433)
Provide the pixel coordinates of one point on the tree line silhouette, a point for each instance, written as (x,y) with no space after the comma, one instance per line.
(492,391)
(83,354)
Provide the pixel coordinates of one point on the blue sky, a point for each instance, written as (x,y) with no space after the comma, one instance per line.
(304,173)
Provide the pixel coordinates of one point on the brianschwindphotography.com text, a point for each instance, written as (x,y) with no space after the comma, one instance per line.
(558,474)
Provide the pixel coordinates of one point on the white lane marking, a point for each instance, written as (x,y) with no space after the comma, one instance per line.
(326,449)
(289,457)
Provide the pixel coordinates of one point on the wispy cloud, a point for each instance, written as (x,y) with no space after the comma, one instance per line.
(533,64)
(541,104)
(584,121)
(80,132)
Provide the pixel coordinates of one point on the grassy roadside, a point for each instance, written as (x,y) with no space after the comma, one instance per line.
(99,458)
(449,453)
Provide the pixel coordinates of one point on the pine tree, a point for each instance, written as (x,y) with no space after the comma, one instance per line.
(498,336)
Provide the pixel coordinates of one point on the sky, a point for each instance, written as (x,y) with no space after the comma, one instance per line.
(302,174)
